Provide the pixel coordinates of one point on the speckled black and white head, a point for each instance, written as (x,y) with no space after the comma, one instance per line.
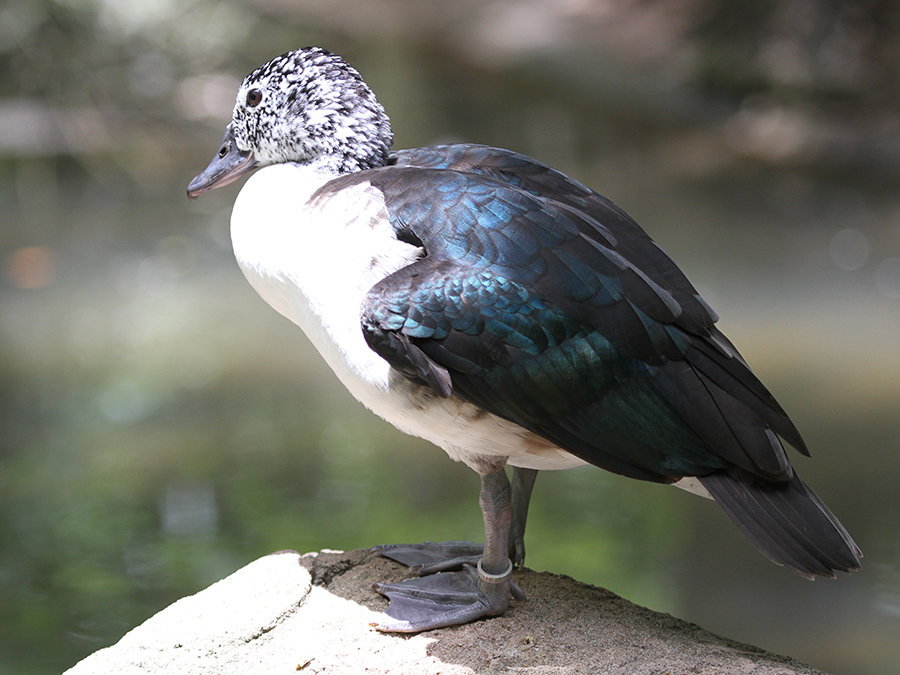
(310,104)
(307,106)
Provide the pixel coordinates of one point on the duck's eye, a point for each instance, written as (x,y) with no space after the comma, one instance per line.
(254,96)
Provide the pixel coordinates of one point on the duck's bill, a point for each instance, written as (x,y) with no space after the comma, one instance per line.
(228,165)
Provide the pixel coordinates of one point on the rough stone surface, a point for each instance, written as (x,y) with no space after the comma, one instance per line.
(289,613)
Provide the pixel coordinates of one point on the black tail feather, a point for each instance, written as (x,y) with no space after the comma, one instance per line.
(787,522)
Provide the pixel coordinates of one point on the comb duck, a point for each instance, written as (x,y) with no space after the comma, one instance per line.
(481,300)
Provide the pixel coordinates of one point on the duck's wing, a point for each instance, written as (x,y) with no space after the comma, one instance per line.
(525,305)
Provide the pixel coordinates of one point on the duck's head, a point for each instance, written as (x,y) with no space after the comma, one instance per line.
(307,106)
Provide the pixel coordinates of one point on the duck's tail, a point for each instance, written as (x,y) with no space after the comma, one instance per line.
(787,522)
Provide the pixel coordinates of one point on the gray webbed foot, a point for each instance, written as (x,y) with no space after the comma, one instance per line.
(483,585)
(430,557)
(446,599)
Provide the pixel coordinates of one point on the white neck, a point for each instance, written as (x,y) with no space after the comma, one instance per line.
(314,263)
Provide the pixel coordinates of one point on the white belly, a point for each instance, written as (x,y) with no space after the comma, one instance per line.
(315,263)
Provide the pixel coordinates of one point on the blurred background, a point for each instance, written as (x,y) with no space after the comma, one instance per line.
(160,426)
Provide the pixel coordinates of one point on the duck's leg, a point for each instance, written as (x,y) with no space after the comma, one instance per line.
(430,557)
(454,598)
(522,485)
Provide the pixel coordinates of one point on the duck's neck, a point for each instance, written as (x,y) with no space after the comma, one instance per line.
(314,263)
(269,226)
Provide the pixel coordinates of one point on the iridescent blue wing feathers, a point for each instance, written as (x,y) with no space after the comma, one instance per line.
(522,294)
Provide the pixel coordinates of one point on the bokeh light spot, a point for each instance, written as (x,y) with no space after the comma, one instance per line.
(849,249)
(31,267)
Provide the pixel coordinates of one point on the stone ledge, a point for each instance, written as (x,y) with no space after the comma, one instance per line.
(288,613)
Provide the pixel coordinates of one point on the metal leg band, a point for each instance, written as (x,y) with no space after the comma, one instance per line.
(494,578)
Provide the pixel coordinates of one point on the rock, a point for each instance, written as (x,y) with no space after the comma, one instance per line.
(288,613)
